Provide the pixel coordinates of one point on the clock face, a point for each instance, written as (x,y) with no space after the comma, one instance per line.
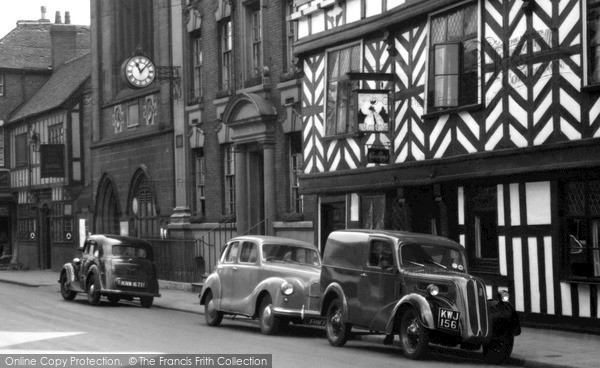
(139,71)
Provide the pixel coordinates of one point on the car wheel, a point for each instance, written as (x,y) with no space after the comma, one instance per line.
(268,321)
(113,299)
(146,301)
(212,316)
(337,330)
(499,350)
(66,293)
(414,337)
(93,290)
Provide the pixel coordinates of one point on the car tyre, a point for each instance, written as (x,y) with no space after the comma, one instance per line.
(498,351)
(146,301)
(212,316)
(66,293)
(93,289)
(414,337)
(113,299)
(270,324)
(337,330)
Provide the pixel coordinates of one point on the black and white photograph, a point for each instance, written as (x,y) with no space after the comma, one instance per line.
(300,183)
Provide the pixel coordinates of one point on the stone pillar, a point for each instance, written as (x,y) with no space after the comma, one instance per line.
(241,190)
(269,180)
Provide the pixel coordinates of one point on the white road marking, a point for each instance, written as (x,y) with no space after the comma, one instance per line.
(8,338)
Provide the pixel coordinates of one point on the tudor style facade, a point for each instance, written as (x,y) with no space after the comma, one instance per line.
(478,120)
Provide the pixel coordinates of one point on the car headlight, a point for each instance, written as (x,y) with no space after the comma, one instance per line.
(503,296)
(433,290)
(287,288)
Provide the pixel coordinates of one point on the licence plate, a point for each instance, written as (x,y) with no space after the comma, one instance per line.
(448,319)
(315,322)
(138,284)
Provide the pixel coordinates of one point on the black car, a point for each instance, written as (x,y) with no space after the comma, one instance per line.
(117,267)
(413,285)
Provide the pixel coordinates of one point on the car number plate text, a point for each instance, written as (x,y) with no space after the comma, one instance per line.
(448,319)
(139,284)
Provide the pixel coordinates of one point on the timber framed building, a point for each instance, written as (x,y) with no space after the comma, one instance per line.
(478,120)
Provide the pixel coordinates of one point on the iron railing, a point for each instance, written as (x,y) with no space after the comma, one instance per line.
(175,260)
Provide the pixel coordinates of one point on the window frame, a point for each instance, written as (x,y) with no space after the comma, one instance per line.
(200,175)
(296,158)
(591,222)
(229,189)
(350,85)
(462,90)
(586,47)
(2,85)
(226,54)
(196,89)
(290,36)
(473,210)
(21,150)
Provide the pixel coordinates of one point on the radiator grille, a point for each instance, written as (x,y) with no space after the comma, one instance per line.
(477,308)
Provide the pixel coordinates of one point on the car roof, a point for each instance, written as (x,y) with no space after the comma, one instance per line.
(267,239)
(118,239)
(406,236)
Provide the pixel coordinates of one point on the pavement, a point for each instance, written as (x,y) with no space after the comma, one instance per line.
(538,348)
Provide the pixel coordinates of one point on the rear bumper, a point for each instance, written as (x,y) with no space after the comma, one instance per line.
(131,293)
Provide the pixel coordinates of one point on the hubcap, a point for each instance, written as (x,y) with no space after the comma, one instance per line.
(336,322)
(268,314)
(413,333)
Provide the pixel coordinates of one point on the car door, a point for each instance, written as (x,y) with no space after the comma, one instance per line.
(378,286)
(245,278)
(225,271)
(87,260)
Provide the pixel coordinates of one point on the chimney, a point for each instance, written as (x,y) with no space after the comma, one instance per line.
(63,38)
(57,19)
(43,13)
(67,17)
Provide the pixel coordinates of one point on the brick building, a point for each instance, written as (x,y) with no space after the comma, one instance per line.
(242,127)
(132,136)
(477,120)
(43,75)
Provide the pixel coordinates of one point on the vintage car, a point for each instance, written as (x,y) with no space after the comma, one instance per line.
(413,285)
(270,278)
(117,267)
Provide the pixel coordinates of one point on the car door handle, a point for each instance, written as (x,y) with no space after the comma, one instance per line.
(363,274)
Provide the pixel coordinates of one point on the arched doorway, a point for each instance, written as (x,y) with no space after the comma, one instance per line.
(142,206)
(107,208)
(251,119)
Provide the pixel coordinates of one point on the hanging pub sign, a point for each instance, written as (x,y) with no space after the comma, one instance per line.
(52,160)
(378,155)
(373,110)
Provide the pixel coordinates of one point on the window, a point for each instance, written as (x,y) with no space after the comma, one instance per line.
(593,42)
(61,222)
(56,134)
(373,212)
(1,85)
(229,180)
(581,217)
(296,200)
(196,91)
(482,209)
(256,42)
(21,150)
(454,55)
(27,224)
(381,254)
(226,54)
(143,207)
(290,35)
(200,184)
(341,105)
(249,253)
(232,252)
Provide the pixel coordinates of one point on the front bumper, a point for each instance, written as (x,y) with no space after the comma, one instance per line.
(131,293)
(302,314)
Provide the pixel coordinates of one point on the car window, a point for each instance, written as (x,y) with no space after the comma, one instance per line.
(249,253)
(232,252)
(290,254)
(381,254)
(123,250)
(432,255)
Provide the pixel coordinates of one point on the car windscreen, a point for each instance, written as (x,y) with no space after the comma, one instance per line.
(432,256)
(131,251)
(290,254)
